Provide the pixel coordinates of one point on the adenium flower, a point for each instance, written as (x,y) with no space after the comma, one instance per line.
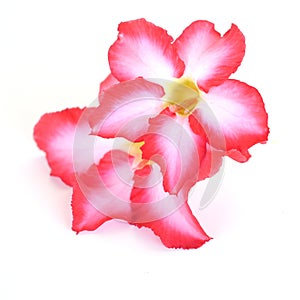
(114,181)
(167,115)
(193,70)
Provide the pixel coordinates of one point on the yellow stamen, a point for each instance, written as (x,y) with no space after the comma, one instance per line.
(182,95)
(189,82)
(135,150)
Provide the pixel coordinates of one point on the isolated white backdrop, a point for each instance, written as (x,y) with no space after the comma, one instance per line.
(53,55)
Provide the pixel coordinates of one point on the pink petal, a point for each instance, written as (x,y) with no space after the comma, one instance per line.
(168,216)
(179,230)
(64,137)
(234,118)
(125,109)
(148,186)
(143,49)
(107,186)
(208,57)
(169,144)
(88,149)
(54,134)
(210,158)
(149,201)
(85,215)
(211,162)
(108,82)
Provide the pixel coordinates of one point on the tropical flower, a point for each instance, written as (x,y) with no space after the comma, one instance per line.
(113,181)
(193,70)
(167,115)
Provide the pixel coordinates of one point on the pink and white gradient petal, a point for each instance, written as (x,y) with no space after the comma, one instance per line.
(209,57)
(64,137)
(85,215)
(233,111)
(179,230)
(54,134)
(126,108)
(170,216)
(143,49)
(149,201)
(169,144)
(107,185)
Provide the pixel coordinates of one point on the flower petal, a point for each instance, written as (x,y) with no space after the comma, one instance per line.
(149,201)
(169,144)
(208,57)
(179,230)
(125,109)
(233,111)
(143,49)
(210,158)
(64,137)
(168,216)
(107,186)
(85,215)
(211,162)
(54,134)
(108,82)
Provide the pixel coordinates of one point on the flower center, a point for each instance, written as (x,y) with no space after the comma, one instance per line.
(134,150)
(182,95)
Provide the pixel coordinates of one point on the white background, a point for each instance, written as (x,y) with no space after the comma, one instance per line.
(53,56)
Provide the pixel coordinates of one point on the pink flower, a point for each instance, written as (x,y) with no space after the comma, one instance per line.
(114,181)
(227,114)
(167,115)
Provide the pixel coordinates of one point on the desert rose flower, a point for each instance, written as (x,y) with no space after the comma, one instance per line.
(165,118)
(112,180)
(194,71)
